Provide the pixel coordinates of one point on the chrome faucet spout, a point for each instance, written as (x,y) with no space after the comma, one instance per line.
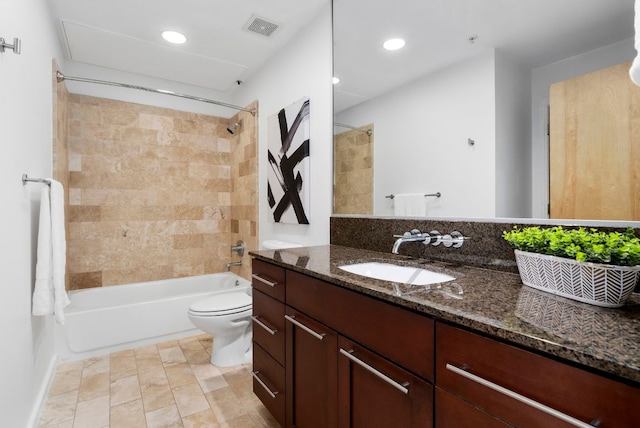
(414,236)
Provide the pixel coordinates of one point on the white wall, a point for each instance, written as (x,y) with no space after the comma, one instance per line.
(513,125)
(302,68)
(542,78)
(26,135)
(420,139)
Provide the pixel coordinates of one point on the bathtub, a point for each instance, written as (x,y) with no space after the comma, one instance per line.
(107,319)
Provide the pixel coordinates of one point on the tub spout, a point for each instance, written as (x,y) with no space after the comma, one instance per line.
(228,266)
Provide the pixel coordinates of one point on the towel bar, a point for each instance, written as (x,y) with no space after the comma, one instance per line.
(437,195)
(26,178)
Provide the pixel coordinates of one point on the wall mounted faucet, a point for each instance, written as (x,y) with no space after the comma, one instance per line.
(454,239)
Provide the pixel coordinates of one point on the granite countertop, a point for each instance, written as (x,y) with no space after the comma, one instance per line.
(493,302)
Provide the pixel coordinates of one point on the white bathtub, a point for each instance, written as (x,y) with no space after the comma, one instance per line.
(108,319)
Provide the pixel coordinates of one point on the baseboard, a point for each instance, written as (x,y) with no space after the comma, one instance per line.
(43,392)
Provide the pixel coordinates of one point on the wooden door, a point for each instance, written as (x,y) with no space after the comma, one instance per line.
(595,146)
(311,372)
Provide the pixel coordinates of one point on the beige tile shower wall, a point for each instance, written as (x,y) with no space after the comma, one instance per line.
(353,172)
(244,188)
(149,193)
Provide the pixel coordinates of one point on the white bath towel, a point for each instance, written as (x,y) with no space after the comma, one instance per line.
(634,71)
(50,295)
(59,251)
(410,205)
(43,290)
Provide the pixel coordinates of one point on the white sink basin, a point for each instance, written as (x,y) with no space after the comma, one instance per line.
(397,273)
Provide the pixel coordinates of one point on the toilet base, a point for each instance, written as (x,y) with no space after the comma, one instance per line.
(232,350)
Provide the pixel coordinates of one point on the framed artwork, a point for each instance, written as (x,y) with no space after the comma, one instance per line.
(288,171)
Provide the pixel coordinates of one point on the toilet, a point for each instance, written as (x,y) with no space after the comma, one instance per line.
(226,317)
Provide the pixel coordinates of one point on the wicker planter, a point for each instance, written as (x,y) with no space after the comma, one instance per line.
(594,283)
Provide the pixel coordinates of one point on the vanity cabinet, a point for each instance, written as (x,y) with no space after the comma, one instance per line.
(268,370)
(327,356)
(523,388)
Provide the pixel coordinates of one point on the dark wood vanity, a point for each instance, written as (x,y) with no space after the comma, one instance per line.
(329,356)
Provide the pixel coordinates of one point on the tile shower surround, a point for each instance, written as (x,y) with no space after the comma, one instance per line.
(353,172)
(151,191)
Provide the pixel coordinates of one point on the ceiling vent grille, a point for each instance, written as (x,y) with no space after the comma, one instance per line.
(261,26)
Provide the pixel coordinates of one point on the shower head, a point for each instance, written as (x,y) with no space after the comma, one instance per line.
(231,129)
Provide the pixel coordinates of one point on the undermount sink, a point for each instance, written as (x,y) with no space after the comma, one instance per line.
(396,273)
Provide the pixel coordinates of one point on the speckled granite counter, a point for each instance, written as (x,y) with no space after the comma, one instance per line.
(494,303)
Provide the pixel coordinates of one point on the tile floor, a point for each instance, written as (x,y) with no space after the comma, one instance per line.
(170,384)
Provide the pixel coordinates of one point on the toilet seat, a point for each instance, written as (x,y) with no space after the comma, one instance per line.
(221,304)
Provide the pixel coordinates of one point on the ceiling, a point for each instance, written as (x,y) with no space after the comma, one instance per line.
(125,35)
(531,32)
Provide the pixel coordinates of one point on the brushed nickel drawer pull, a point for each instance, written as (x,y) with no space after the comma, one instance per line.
(509,393)
(400,387)
(297,323)
(263,325)
(264,385)
(264,281)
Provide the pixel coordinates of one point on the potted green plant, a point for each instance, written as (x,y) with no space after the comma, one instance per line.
(601,268)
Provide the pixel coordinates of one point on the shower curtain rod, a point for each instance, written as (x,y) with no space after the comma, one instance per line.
(61,77)
(369,132)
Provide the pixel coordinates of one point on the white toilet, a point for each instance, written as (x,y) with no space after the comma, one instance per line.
(227,317)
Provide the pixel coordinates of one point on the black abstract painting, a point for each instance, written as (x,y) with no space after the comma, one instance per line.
(288,171)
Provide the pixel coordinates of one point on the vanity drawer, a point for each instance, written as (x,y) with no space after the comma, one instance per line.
(268,278)
(269,325)
(395,333)
(470,366)
(269,383)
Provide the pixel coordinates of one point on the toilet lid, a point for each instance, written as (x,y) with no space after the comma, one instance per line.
(222,304)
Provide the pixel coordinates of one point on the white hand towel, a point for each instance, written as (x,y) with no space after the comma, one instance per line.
(59,251)
(43,290)
(634,71)
(410,205)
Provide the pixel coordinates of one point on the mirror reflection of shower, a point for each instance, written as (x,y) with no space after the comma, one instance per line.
(231,129)
(353,169)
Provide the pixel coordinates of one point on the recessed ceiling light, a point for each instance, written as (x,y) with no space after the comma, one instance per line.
(174,37)
(393,44)
(335,80)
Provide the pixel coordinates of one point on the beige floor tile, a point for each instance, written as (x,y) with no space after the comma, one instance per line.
(197,355)
(166,417)
(92,413)
(241,422)
(240,381)
(124,390)
(94,386)
(190,399)
(59,409)
(180,374)
(152,375)
(128,415)
(209,377)
(67,424)
(156,396)
(171,356)
(204,419)
(94,366)
(225,404)
(65,381)
(123,364)
(146,351)
(70,365)
(165,345)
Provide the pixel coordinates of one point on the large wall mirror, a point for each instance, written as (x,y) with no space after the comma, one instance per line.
(462,110)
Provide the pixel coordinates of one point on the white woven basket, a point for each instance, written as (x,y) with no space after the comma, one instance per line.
(594,283)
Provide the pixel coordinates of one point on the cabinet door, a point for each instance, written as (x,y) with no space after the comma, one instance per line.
(311,372)
(372,392)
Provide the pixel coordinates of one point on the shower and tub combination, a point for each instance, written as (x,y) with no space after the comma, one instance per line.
(109,319)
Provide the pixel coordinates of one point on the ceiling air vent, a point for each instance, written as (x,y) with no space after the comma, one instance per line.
(261,26)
